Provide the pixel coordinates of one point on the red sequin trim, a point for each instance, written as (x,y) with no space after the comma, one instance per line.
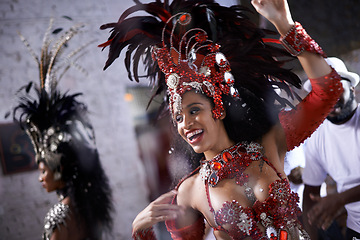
(146,234)
(191,232)
(301,122)
(297,41)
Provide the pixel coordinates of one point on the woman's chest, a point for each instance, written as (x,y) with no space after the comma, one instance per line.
(232,213)
(229,195)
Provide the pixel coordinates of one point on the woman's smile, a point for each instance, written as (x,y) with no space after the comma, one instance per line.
(194,136)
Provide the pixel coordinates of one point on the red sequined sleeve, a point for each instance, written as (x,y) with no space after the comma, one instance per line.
(301,122)
(193,231)
(146,234)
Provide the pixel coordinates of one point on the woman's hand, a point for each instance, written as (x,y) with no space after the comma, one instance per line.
(159,210)
(277,12)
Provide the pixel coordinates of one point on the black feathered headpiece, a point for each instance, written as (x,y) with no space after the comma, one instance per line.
(62,135)
(162,40)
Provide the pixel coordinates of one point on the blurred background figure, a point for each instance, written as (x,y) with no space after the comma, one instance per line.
(334,150)
(64,144)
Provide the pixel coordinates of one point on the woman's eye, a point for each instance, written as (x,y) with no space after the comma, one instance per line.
(194,110)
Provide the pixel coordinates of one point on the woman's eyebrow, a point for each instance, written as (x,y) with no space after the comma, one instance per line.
(192,104)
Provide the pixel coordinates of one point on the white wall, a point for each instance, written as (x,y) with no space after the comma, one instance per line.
(23,202)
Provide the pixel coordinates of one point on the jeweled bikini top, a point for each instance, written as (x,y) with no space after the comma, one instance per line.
(277,213)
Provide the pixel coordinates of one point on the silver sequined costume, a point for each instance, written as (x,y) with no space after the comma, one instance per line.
(57,215)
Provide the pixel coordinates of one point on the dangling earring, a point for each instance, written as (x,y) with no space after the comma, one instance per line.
(57,176)
(222,115)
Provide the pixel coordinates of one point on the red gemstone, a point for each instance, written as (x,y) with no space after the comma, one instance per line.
(226,156)
(216,166)
(242,149)
(184,18)
(283,235)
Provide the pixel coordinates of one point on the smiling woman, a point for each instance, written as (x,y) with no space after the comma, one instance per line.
(196,125)
(221,76)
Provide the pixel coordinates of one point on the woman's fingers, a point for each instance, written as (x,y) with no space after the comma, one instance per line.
(159,210)
(166,197)
(165,209)
(277,12)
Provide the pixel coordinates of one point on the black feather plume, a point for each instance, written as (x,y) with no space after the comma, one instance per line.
(255,64)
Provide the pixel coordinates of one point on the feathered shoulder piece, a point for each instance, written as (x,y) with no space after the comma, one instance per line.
(215,41)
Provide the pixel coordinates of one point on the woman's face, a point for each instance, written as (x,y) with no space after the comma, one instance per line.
(46,177)
(195,124)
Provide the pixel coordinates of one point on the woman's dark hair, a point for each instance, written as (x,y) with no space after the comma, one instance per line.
(248,118)
(87,186)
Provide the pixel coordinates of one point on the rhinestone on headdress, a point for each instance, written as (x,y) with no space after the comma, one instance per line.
(173,80)
(196,63)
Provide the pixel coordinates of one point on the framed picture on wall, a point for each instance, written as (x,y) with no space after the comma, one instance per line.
(16,150)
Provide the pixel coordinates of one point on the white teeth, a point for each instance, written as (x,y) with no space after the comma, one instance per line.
(191,134)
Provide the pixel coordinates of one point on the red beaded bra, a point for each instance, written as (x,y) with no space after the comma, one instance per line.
(278,214)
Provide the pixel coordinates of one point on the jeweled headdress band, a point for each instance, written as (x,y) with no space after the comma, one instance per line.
(45,144)
(201,66)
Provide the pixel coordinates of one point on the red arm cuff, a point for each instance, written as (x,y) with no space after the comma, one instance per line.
(297,41)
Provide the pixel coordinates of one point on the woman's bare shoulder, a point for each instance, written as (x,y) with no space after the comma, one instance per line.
(188,183)
(188,189)
(187,197)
